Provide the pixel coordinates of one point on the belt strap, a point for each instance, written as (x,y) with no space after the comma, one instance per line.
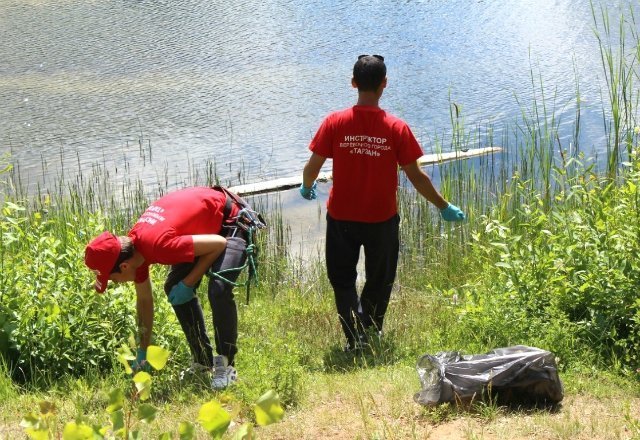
(226,213)
(228,204)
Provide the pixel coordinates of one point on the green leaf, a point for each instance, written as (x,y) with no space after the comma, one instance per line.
(268,409)
(30,421)
(244,432)
(147,413)
(38,434)
(124,360)
(157,356)
(165,436)
(186,430)
(14,206)
(116,400)
(135,435)
(77,431)
(500,245)
(143,384)
(117,420)
(101,431)
(214,419)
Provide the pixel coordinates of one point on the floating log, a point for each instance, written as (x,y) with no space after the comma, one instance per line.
(285,183)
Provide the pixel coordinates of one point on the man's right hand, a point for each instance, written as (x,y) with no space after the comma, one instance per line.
(180,294)
(308,193)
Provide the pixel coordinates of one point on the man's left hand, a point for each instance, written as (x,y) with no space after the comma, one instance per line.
(452,213)
(180,294)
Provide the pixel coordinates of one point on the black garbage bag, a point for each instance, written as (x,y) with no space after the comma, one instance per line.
(511,375)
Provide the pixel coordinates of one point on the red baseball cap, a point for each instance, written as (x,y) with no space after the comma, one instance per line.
(100,256)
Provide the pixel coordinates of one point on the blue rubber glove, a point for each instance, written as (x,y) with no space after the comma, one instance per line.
(140,362)
(308,193)
(452,213)
(180,294)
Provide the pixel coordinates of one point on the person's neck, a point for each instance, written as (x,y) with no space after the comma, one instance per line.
(137,259)
(370,99)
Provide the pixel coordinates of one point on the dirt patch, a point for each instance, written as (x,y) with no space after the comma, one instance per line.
(369,416)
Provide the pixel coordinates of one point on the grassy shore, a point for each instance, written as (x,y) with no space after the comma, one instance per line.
(292,343)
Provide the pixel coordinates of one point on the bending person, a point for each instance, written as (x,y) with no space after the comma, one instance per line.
(192,230)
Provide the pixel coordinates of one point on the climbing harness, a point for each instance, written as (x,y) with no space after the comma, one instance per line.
(248,221)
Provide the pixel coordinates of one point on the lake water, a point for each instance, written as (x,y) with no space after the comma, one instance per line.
(158,88)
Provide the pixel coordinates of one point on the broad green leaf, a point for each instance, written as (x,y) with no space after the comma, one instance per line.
(157,356)
(77,431)
(14,206)
(117,420)
(38,434)
(135,435)
(143,384)
(30,421)
(268,409)
(101,430)
(124,361)
(500,245)
(116,400)
(165,436)
(244,432)
(147,413)
(185,430)
(214,419)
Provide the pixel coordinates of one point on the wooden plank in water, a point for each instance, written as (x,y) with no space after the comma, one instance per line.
(285,183)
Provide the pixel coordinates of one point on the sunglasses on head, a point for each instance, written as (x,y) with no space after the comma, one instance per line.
(380,57)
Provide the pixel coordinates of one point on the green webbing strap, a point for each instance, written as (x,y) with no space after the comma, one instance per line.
(251,251)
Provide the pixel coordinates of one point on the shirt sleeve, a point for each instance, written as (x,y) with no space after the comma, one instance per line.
(142,273)
(409,150)
(170,248)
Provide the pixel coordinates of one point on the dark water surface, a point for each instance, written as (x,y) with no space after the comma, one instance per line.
(246,83)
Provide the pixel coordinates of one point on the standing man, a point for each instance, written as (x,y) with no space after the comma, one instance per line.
(366,144)
(193,230)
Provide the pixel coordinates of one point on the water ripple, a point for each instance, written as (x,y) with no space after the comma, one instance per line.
(246,83)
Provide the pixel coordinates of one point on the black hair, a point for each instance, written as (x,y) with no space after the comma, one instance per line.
(126,252)
(369,72)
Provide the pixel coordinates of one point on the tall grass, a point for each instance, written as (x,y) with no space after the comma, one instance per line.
(620,68)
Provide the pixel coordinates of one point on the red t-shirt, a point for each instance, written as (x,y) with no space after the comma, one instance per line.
(163,233)
(366,144)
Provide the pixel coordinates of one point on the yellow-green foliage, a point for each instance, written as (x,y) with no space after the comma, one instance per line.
(565,278)
(127,412)
(52,322)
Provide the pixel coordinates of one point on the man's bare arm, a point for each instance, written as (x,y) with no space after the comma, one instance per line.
(208,248)
(312,169)
(144,308)
(423,184)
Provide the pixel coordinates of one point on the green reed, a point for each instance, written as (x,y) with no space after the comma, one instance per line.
(619,65)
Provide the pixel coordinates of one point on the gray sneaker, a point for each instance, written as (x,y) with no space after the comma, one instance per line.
(223,373)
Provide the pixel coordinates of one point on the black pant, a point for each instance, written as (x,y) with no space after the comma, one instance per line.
(223,306)
(381,245)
